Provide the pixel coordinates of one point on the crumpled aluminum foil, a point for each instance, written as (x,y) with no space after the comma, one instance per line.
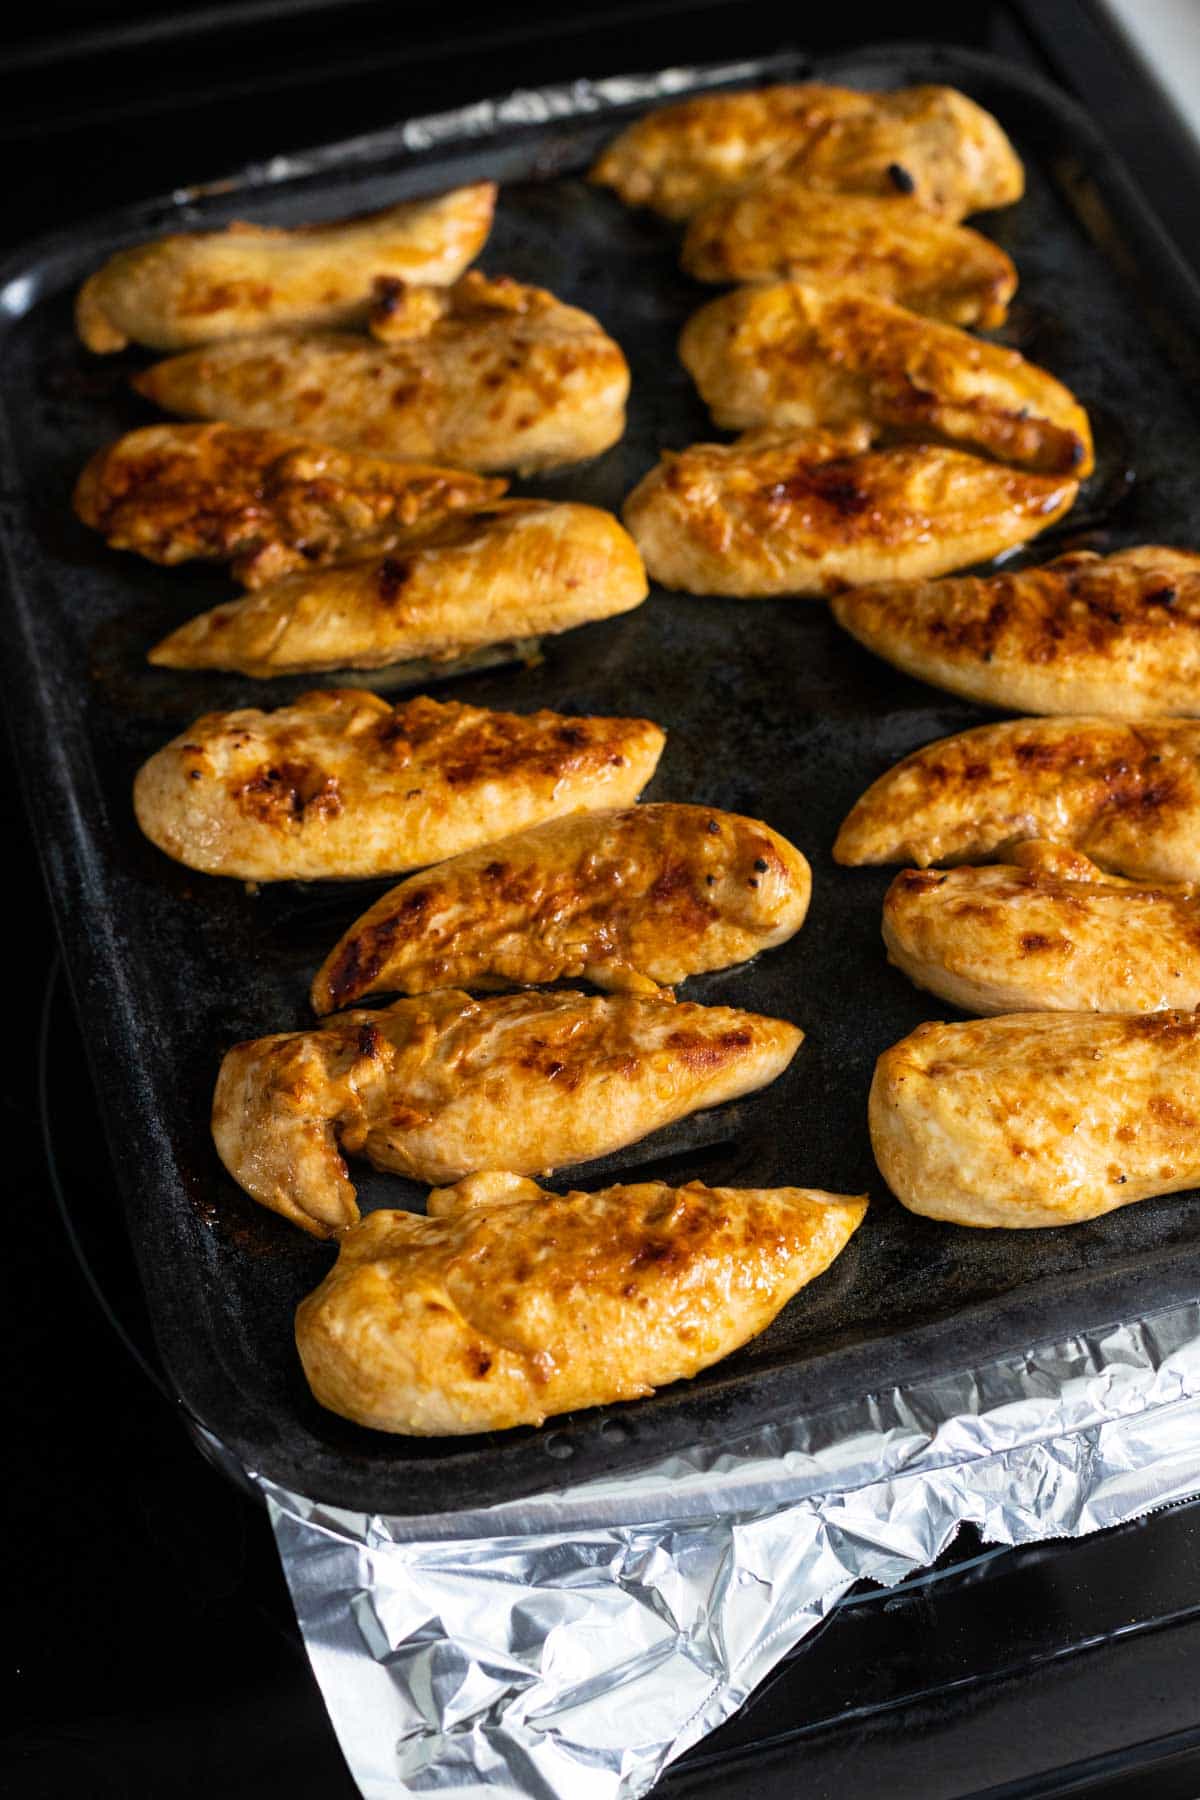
(569,1646)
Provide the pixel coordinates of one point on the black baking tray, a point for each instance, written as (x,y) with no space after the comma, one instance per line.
(770,710)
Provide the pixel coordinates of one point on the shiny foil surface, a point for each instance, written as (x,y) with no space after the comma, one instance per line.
(568,1647)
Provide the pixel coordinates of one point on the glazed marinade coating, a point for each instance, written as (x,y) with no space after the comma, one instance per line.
(509,1304)
(341,784)
(792,355)
(517,569)
(1083,634)
(804,513)
(625,899)
(489,374)
(445,1086)
(1048,932)
(776,229)
(268,501)
(1039,1118)
(931,143)
(194,287)
(1127,796)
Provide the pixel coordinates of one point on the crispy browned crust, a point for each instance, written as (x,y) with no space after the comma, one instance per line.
(931,143)
(195,287)
(445,1086)
(777,229)
(1048,932)
(627,900)
(489,375)
(341,784)
(1084,634)
(804,513)
(1039,1118)
(515,570)
(800,357)
(511,1304)
(1127,796)
(270,501)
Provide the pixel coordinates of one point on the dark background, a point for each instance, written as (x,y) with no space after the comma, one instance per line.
(148,1640)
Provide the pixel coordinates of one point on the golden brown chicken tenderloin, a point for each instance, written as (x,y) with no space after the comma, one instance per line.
(195,287)
(777,230)
(500,377)
(519,569)
(928,142)
(340,784)
(804,513)
(1083,634)
(1127,796)
(802,358)
(268,501)
(508,1304)
(627,900)
(1048,932)
(445,1086)
(1038,1119)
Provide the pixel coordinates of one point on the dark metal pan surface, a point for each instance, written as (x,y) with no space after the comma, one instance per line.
(770,711)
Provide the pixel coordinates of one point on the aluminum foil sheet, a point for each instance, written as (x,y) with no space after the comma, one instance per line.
(568,1647)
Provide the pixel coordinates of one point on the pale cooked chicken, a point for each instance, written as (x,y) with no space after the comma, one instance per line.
(928,142)
(509,1304)
(194,287)
(1039,1118)
(519,569)
(800,357)
(776,229)
(1049,932)
(268,501)
(1084,634)
(446,1086)
(805,513)
(1128,796)
(340,784)
(624,899)
(499,377)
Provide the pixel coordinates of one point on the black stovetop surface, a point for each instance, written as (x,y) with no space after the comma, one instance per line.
(150,1648)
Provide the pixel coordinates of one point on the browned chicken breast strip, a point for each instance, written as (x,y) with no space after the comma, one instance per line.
(267,501)
(1084,634)
(806,513)
(1128,796)
(509,1304)
(340,784)
(776,229)
(626,899)
(446,1086)
(520,569)
(500,377)
(194,287)
(928,142)
(1048,932)
(800,357)
(1039,1118)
